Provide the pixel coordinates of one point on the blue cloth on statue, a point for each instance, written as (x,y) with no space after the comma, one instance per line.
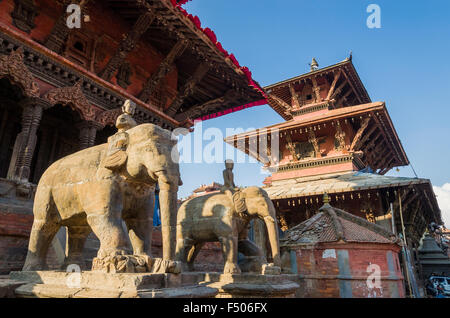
(156,217)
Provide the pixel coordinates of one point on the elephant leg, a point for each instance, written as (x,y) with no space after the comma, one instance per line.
(254,257)
(192,254)
(230,253)
(76,238)
(45,226)
(42,234)
(139,222)
(109,231)
(168,208)
(103,207)
(184,245)
(140,234)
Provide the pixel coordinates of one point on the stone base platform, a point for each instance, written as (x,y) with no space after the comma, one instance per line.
(250,285)
(59,284)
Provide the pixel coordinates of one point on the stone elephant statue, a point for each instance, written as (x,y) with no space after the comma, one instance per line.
(96,188)
(225,217)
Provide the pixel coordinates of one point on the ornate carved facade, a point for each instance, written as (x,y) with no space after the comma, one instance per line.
(61,88)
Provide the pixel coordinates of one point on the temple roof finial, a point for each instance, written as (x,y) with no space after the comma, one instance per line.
(314,65)
(326,199)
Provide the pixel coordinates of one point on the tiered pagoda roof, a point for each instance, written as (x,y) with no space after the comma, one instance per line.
(376,143)
(342,84)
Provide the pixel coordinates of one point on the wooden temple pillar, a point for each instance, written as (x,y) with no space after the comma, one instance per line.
(88,132)
(25,143)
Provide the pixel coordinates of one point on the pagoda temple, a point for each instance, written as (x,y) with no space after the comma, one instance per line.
(62,86)
(335,140)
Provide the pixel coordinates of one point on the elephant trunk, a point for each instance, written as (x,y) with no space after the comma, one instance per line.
(272,231)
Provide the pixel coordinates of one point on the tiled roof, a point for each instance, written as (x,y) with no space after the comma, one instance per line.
(333,225)
(301,187)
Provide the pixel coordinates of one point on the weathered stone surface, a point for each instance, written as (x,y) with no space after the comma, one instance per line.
(250,285)
(94,189)
(57,284)
(7,287)
(225,217)
(53,284)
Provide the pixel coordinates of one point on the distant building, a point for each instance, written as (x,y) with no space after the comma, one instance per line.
(334,252)
(336,140)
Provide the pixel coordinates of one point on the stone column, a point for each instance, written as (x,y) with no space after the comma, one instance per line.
(26,140)
(88,132)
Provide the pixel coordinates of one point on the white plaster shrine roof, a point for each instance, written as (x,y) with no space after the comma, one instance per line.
(318,185)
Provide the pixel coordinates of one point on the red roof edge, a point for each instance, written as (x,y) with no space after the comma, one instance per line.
(213,38)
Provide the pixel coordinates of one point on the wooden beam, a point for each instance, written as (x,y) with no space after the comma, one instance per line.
(389,166)
(209,106)
(163,69)
(344,97)
(367,136)
(188,88)
(353,88)
(128,44)
(356,140)
(384,159)
(316,89)
(430,205)
(339,89)
(394,152)
(294,96)
(56,40)
(313,140)
(337,75)
(340,136)
(291,147)
(280,101)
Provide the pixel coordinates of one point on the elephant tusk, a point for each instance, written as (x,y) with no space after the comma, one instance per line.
(269,219)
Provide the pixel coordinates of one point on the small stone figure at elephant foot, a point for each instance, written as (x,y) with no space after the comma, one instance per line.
(122,264)
(251,264)
(224,218)
(135,264)
(270,269)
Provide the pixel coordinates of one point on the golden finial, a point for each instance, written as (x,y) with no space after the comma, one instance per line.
(314,65)
(326,199)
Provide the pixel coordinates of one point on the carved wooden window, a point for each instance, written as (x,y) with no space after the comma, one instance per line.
(159,95)
(123,75)
(79,49)
(23,14)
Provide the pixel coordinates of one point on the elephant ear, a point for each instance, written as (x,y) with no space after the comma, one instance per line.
(115,160)
(116,156)
(239,202)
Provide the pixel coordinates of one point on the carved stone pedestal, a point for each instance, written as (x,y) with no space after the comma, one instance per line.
(58,284)
(250,285)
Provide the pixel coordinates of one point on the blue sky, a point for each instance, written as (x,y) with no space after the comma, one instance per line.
(405,63)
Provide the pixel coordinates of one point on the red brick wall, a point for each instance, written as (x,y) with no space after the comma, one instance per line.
(14,234)
(319,275)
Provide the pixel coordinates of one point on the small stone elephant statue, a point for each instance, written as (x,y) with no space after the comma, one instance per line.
(225,217)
